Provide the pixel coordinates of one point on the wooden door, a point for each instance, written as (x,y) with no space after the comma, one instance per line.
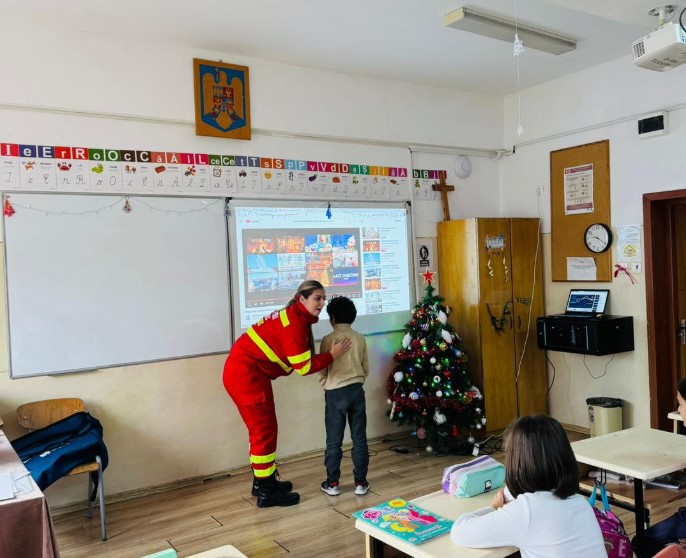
(458,273)
(661,219)
(527,296)
(679,213)
(495,315)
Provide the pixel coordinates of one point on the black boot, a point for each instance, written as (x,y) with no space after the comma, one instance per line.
(281,485)
(268,494)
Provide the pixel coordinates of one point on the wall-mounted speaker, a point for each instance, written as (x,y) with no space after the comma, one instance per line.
(653,125)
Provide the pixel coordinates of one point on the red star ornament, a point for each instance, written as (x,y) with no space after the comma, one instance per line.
(428,276)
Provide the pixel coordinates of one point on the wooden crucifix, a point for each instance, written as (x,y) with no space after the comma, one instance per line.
(444,188)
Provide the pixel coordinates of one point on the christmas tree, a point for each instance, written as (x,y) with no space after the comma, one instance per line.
(430,387)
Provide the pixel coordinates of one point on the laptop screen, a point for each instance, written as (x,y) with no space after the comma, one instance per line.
(588,301)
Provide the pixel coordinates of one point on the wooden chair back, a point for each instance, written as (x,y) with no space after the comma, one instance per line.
(39,414)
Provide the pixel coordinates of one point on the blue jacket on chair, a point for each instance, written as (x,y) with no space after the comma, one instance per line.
(51,452)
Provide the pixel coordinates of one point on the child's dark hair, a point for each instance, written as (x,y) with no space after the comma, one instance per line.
(681,387)
(342,309)
(539,458)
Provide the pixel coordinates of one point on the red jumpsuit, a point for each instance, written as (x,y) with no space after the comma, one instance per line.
(275,346)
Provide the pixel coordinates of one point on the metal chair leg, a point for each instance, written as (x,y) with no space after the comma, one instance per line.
(101,496)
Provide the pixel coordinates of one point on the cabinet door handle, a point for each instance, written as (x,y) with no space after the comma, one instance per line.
(519,322)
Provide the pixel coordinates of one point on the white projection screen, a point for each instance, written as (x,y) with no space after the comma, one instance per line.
(359,250)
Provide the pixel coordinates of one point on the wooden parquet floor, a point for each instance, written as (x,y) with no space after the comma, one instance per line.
(200,517)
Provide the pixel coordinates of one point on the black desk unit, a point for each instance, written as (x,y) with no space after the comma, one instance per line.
(603,335)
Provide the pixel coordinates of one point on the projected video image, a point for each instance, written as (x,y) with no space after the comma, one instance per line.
(372,259)
(261,246)
(289,280)
(358,251)
(345,259)
(262,263)
(292,244)
(275,264)
(370,246)
(319,266)
(261,282)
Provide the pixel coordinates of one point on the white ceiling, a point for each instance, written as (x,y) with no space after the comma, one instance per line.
(397,39)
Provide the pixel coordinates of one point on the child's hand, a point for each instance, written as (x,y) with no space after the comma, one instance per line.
(498,499)
(340,346)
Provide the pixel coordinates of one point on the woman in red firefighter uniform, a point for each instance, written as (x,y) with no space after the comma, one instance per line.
(275,346)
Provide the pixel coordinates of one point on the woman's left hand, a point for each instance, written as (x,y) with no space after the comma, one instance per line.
(340,347)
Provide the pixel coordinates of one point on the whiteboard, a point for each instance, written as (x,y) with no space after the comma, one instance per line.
(90,285)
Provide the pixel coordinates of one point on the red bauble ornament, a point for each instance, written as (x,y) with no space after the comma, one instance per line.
(455,432)
(8,209)
(415,344)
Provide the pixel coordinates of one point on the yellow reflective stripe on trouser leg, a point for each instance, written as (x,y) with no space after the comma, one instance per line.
(262,458)
(271,355)
(263,473)
(257,462)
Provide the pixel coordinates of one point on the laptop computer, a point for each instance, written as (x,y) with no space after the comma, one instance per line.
(586,303)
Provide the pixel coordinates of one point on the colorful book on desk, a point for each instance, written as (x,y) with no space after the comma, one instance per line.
(406,521)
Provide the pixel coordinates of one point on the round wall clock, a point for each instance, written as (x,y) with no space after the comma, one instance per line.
(598,237)
(463,166)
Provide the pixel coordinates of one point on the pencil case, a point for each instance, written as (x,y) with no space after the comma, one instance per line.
(477,476)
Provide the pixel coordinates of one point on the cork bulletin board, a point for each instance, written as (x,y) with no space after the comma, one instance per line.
(579,197)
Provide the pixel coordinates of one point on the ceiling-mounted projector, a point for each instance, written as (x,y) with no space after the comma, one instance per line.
(662,49)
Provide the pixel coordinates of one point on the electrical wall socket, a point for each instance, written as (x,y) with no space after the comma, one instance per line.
(635,267)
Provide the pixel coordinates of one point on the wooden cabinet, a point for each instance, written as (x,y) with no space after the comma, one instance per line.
(490,273)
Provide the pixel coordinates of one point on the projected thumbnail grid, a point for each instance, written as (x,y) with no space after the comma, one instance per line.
(275,264)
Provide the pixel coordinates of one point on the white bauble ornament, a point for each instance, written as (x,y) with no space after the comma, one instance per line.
(406,340)
(447,337)
(414,395)
(398,377)
(429,449)
(389,401)
(442,317)
(439,393)
(432,360)
(439,418)
(478,427)
(483,420)
(471,439)
(437,379)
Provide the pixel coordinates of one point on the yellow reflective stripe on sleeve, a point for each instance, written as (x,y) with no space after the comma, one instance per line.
(262,473)
(305,369)
(302,357)
(262,458)
(284,318)
(271,355)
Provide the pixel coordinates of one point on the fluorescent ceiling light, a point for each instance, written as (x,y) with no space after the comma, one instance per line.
(467,19)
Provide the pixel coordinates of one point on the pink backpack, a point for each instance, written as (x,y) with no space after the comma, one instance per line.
(617,542)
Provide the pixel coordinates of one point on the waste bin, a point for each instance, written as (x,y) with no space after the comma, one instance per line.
(604,414)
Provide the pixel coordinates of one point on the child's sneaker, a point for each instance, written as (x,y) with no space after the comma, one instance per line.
(330,487)
(361,487)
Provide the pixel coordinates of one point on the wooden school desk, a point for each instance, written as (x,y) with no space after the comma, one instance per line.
(25,524)
(443,504)
(641,453)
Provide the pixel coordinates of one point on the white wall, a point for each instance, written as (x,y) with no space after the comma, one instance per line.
(172,420)
(600,103)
